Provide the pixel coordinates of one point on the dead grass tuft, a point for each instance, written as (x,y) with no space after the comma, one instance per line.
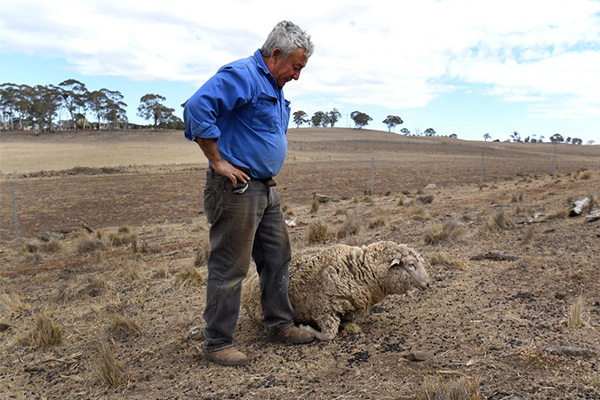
(498,221)
(340,211)
(350,227)
(132,271)
(319,232)
(376,223)
(11,303)
(447,232)
(516,197)
(287,210)
(122,238)
(444,258)
(528,236)
(460,389)
(428,199)
(418,213)
(123,327)
(401,199)
(314,206)
(561,214)
(106,368)
(87,244)
(44,334)
(576,314)
(586,174)
(190,276)
(202,254)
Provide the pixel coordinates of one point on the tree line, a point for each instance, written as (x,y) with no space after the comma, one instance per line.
(39,108)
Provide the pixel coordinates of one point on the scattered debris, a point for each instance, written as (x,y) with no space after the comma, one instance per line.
(290,222)
(495,256)
(572,351)
(595,216)
(578,206)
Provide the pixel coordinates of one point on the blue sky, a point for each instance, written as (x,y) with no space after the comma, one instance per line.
(457,66)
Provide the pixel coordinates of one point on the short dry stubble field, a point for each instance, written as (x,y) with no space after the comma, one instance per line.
(125,297)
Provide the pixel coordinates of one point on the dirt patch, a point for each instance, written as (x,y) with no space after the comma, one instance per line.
(487,322)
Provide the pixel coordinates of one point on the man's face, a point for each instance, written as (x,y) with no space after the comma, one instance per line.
(284,70)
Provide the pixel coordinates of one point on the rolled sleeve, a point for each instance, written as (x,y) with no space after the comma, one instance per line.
(219,96)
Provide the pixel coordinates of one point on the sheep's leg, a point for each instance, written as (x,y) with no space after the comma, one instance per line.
(329,328)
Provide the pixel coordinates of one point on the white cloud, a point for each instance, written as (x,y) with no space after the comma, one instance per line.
(397,54)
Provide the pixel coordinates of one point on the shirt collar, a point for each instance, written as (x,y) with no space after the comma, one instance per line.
(261,62)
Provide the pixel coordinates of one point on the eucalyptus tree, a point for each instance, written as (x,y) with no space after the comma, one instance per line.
(429,132)
(333,116)
(392,121)
(405,131)
(75,96)
(151,108)
(360,119)
(300,118)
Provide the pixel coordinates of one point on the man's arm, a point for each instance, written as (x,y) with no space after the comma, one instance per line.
(222,167)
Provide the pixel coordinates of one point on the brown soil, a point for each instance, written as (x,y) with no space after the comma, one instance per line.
(488,322)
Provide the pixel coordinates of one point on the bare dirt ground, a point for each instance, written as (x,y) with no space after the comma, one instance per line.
(139,290)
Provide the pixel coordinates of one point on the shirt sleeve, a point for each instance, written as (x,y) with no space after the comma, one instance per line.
(228,89)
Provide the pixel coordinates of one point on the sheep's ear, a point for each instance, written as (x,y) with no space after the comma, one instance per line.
(396,263)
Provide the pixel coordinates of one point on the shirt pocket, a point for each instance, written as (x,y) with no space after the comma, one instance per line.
(266,114)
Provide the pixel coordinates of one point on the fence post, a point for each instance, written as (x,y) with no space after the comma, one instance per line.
(554,162)
(372,174)
(482,166)
(14,204)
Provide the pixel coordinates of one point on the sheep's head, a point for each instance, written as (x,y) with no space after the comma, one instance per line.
(400,260)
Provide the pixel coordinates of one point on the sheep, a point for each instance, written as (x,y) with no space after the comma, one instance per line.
(340,282)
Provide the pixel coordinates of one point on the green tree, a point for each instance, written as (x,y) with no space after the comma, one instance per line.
(151,108)
(300,118)
(9,95)
(405,131)
(74,95)
(391,121)
(429,132)
(333,117)
(319,119)
(360,119)
(487,136)
(44,103)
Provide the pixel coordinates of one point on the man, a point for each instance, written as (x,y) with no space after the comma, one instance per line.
(239,119)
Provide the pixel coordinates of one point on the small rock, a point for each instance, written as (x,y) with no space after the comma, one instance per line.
(418,356)
(431,186)
(4,327)
(572,351)
(196,334)
(290,222)
(321,198)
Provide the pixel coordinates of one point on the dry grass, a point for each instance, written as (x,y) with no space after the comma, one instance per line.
(319,232)
(350,227)
(44,334)
(287,210)
(11,303)
(516,197)
(314,206)
(576,314)
(122,238)
(427,199)
(418,213)
(460,389)
(202,254)
(87,244)
(131,270)
(560,214)
(106,368)
(444,258)
(447,232)
(377,223)
(401,199)
(498,221)
(586,174)
(528,236)
(123,327)
(190,276)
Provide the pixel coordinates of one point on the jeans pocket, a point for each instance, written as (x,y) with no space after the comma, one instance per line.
(210,201)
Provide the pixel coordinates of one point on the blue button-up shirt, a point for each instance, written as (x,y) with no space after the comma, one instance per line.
(242,107)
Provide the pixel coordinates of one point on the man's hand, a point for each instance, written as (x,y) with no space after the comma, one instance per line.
(222,167)
(226,169)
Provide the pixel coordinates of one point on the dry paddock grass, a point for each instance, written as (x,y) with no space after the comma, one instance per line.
(107,314)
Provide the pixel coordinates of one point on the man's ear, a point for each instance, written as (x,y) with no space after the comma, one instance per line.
(276,53)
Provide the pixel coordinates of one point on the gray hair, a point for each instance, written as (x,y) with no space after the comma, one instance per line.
(288,37)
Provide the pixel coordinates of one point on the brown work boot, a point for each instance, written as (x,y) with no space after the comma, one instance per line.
(228,356)
(292,335)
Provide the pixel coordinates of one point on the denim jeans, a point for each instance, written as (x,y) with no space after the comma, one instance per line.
(244,225)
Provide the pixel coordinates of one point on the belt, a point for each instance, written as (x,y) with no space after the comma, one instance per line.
(267,181)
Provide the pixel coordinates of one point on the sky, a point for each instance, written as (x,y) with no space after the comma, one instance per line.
(467,67)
